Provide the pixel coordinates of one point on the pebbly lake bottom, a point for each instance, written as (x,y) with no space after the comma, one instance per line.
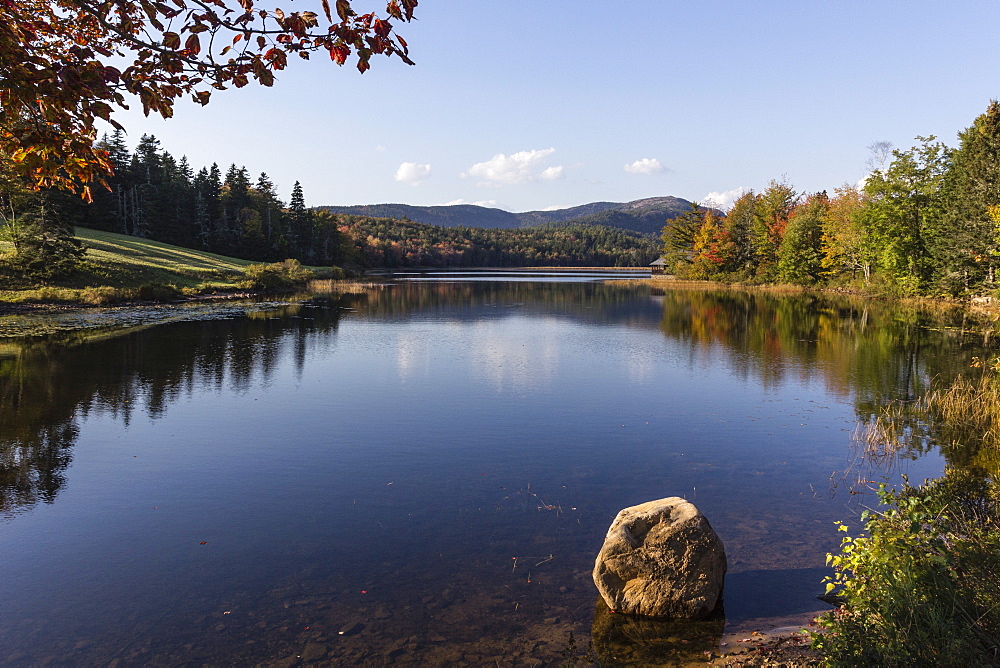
(424,473)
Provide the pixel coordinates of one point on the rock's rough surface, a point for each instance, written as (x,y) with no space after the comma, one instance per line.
(663,559)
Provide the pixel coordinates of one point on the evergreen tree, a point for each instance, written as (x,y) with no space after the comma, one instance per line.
(963,240)
(330,248)
(146,198)
(39,227)
(212,194)
(108,207)
(236,205)
(299,224)
(678,238)
(176,196)
(267,203)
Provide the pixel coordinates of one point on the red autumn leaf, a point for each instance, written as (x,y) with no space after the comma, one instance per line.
(339,53)
(57,49)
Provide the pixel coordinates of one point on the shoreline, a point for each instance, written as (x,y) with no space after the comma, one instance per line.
(990,306)
(769,641)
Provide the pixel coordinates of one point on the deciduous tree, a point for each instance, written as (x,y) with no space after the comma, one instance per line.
(844,244)
(68,63)
(770,219)
(902,200)
(799,253)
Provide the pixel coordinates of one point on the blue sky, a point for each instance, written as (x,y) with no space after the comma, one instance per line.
(529,105)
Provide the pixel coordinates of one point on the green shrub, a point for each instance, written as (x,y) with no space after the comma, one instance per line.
(274,277)
(158,292)
(922,584)
(100,296)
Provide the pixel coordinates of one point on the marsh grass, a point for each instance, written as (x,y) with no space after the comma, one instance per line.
(961,417)
(333,286)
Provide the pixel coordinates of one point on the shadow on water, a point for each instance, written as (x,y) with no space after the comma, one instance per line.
(760,594)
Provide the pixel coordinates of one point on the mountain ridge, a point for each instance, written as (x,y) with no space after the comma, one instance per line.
(647,215)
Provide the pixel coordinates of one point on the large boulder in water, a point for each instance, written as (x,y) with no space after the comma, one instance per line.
(663,559)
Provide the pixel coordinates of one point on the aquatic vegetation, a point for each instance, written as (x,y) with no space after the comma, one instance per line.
(959,416)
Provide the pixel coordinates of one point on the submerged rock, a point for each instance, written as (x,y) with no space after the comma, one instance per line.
(662,559)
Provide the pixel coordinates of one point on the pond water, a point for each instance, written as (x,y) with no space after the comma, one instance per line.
(423,471)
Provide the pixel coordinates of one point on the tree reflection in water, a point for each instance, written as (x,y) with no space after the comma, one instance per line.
(866,354)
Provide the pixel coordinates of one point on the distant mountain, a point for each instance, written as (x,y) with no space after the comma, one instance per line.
(467,215)
(643,215)
(530,218)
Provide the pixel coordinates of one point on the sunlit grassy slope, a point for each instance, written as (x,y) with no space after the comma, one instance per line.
(121,261)
(122,264)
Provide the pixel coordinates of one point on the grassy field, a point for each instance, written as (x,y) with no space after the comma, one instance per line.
(118,260)
(117,267)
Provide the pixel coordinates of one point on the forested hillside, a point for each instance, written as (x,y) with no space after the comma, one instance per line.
(645,215)
(459,215)
(381,242)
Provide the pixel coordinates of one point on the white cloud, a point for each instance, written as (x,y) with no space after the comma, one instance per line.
(723,200)
(510,169)
(483,202)
(645,166)
(553,173)
(412,173)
